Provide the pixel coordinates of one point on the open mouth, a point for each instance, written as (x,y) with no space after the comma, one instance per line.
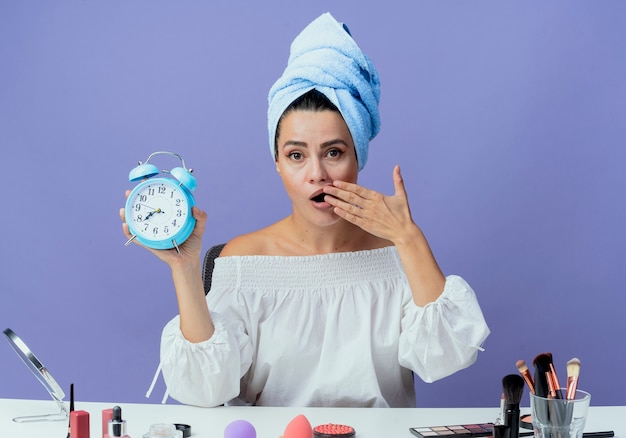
(318,198)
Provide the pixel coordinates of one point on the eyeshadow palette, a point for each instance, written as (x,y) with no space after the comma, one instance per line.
(457,431)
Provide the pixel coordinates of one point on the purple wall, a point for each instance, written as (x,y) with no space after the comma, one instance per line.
(508,118)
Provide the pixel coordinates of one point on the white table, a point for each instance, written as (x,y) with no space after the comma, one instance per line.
(270,422)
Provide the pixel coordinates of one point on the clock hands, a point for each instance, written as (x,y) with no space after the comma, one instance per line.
(158,210)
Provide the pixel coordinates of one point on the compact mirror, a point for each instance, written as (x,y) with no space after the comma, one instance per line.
(43,375)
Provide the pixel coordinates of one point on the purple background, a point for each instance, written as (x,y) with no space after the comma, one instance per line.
(508,118)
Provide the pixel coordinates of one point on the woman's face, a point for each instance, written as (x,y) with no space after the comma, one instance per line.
(315,148)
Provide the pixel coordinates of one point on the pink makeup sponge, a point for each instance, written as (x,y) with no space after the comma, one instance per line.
(299,427)
(240,429)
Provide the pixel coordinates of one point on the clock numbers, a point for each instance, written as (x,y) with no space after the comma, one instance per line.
(158,210)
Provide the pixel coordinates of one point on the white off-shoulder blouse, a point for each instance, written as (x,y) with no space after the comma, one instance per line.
(336,329)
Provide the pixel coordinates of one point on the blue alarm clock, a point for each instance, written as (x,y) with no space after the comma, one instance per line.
(158,210)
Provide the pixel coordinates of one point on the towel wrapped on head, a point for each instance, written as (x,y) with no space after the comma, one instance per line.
(326,58)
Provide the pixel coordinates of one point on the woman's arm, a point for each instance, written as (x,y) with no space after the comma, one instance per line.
(202,361)
(444,337)
(185,264)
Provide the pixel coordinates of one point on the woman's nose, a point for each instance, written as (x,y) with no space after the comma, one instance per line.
(317,171)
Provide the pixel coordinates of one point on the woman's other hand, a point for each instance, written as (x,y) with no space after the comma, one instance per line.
(387,217)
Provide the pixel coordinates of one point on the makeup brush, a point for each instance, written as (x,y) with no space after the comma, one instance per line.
(524,371)
(541,364)
(554,378)
(546,381)
(513,389)
(573,370)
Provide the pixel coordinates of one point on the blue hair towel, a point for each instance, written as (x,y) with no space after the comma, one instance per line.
(326,58)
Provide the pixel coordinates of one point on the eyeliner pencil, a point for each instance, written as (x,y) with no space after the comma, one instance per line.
(69,429)
(603,434)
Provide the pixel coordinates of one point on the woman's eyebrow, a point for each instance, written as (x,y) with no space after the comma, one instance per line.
(326,144)
(294,143)
(334,142)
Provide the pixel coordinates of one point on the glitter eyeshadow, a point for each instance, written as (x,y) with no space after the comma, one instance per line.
(332,430)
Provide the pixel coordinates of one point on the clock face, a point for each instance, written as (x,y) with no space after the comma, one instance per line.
(159,211)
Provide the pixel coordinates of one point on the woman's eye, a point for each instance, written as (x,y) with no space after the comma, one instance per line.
(295,156)
(334,153)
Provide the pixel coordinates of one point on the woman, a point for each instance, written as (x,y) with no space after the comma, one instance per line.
(338,303)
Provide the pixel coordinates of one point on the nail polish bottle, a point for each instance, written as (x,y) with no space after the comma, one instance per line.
(117,426)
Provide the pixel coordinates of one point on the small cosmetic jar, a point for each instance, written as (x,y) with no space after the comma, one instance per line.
(163,430)
(331,430)
(526,422)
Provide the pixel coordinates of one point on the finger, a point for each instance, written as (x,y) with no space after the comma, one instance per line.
(198,213)
(126,230)
(123,210)
(356,195)
(349,215)
(346,207)
(352,188)
(343,199)
(200,216)
(398,182)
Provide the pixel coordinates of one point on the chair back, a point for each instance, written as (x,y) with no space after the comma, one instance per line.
(209,264)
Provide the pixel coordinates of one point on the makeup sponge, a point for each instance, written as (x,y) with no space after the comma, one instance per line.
(240,429)
(299,427)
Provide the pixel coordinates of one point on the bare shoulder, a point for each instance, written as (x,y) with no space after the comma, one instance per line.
(254,243)
(246,244)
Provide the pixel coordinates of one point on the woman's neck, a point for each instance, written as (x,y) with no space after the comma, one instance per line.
(304,238)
